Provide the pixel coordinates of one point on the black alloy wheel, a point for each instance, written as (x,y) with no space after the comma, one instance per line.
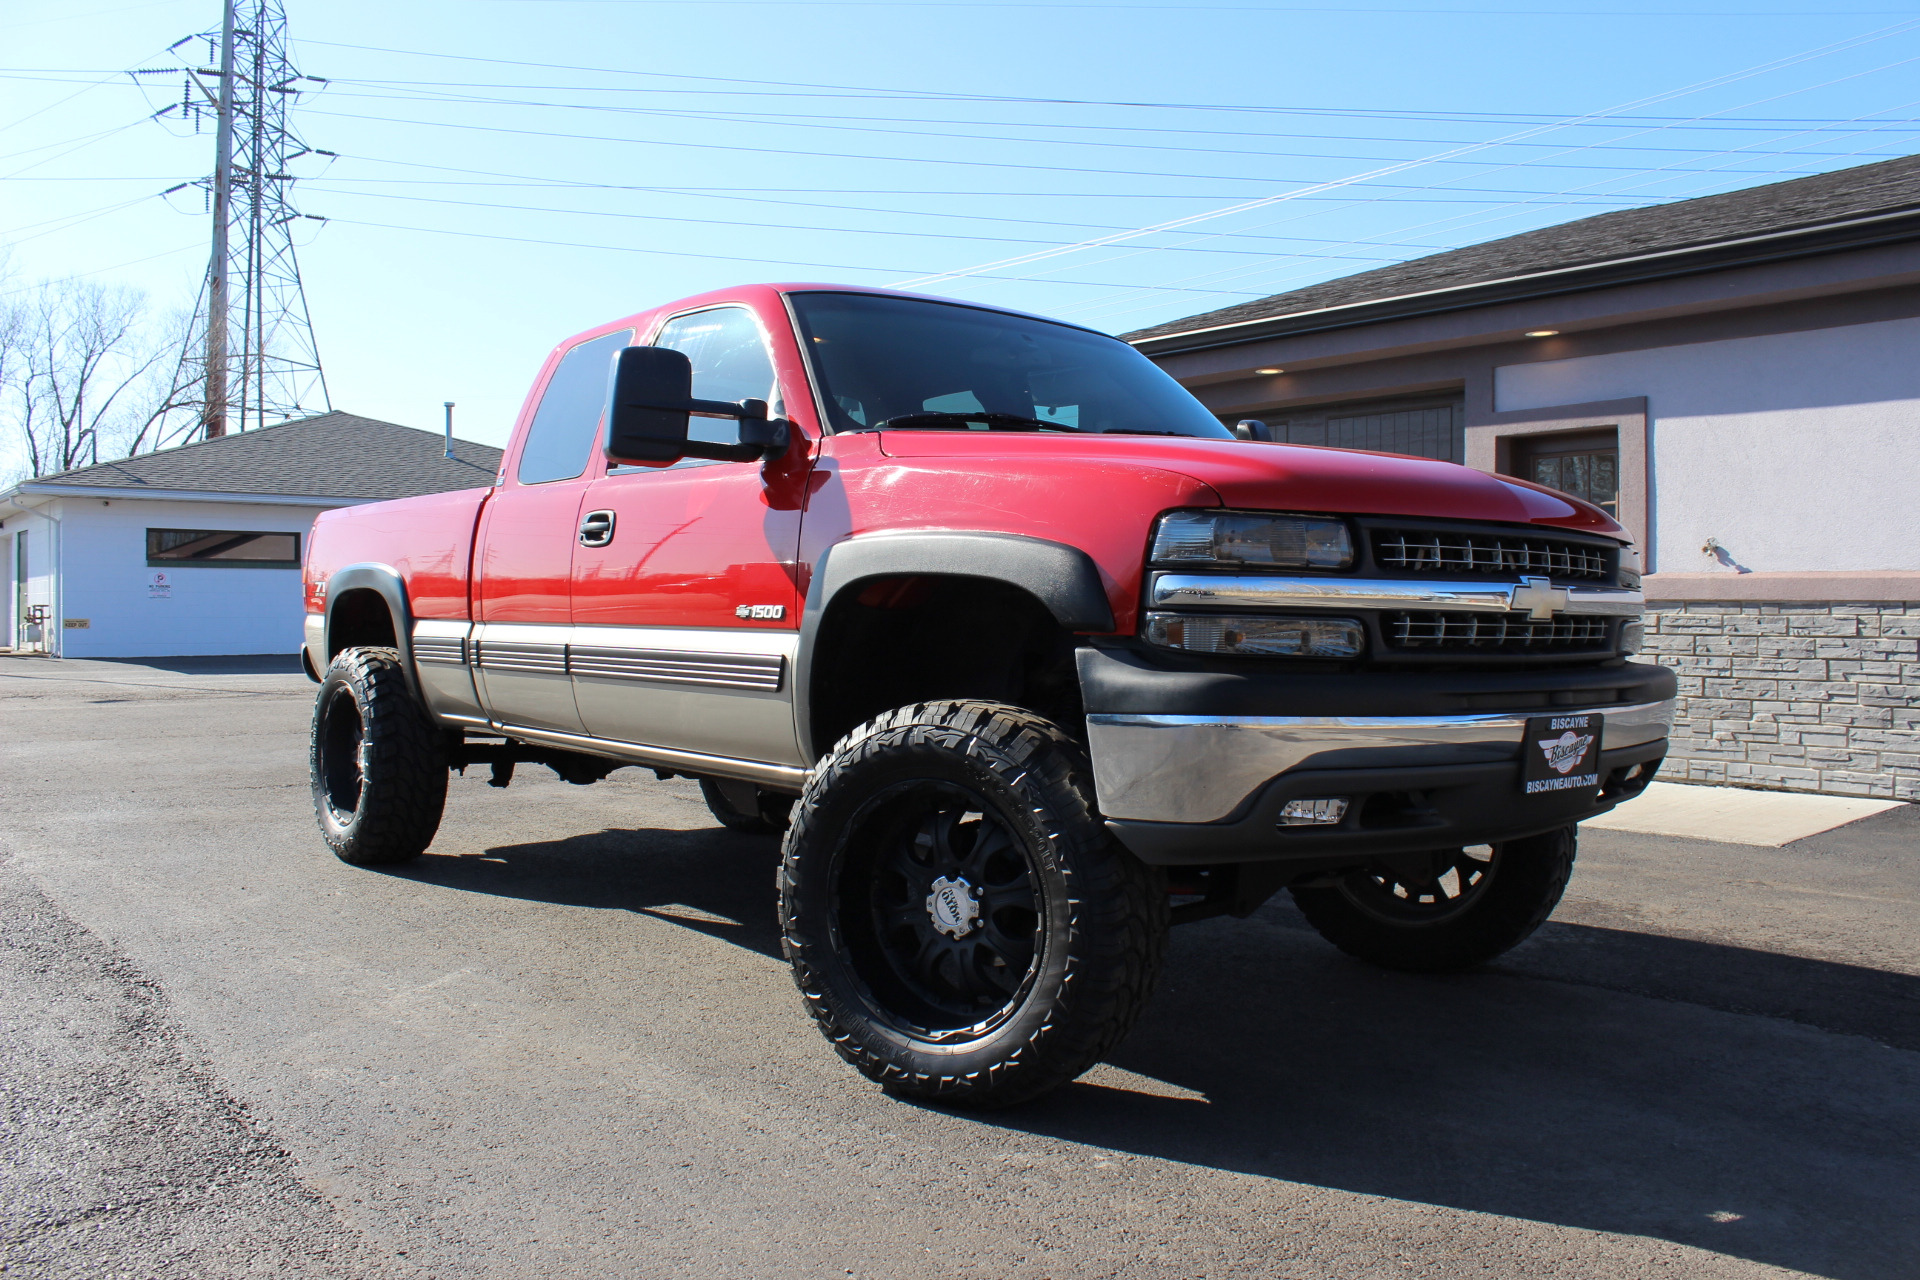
(1422,889)
(960,923)
(938,908)
(1443,909)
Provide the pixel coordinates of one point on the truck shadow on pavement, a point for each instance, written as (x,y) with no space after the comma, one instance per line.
(1595,1078)
(713,880)
(1535,1089)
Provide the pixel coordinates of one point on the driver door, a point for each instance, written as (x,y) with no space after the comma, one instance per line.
(685,610)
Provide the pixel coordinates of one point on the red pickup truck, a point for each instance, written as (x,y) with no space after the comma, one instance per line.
(1027,654)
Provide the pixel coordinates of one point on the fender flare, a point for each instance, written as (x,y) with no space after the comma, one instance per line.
(1063,578)
(384,580)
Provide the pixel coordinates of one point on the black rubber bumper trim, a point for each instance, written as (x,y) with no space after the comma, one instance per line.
(1390,811)
(1125,679)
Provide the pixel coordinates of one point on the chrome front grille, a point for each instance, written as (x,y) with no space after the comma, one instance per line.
(1434,551)
(1487,632)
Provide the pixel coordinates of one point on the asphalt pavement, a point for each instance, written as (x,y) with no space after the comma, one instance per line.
(562,1044)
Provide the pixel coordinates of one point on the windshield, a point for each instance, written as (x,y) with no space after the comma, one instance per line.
(913,364)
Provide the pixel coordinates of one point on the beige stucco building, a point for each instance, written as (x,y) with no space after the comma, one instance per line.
(1737,377)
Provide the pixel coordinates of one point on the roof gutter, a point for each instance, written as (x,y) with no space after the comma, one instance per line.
(1775,246)
(179,495)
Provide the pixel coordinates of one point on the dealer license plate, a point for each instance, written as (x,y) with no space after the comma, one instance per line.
(1561,753)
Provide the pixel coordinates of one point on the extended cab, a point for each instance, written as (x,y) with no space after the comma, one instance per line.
(1027,654)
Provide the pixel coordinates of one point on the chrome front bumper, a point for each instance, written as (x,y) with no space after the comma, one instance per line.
(1192,769)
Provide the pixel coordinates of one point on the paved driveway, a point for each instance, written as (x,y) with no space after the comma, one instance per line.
(562,1045)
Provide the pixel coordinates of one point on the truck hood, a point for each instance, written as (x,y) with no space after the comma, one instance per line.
(1281,477)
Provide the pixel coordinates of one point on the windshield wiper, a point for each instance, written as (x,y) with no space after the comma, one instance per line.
(1006,421)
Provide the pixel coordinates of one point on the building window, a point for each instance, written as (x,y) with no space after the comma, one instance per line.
(1586,465)
(1433,427)
(230,548)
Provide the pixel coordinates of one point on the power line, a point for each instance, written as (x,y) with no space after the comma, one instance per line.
(675,253)
(756,89)
(930,160)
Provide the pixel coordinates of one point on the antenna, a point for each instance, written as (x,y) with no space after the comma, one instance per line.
(250,356)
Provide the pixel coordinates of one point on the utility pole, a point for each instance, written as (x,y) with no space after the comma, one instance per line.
(250,359)
(213,413)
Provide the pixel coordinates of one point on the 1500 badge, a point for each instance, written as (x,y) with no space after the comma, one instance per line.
(761,612)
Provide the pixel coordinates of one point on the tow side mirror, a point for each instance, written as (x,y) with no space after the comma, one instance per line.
(649,398)
(1252,429)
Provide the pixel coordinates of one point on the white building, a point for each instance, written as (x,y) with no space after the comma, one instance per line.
(196,550)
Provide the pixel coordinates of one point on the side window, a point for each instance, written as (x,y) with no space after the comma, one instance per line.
(564,427)
(730,362)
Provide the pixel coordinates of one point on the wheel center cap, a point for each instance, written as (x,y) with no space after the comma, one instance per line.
(954,908)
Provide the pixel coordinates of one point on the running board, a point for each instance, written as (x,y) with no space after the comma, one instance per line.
(777,777)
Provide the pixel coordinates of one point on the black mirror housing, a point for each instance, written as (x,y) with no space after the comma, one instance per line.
(649,398)
(1252,429)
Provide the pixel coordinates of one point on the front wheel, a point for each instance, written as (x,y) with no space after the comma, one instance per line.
(379,774)
(1444,909)
(960,923)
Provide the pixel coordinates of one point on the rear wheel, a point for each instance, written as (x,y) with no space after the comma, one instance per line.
(743,807)
(378,772)
(960,923)
(1445,908)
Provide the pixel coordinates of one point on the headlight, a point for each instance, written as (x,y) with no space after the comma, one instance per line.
(1257,635)
(1252,538)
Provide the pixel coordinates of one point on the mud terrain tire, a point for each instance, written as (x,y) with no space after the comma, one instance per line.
(1377,914)
(743,807)
(1037,941)
(379,774)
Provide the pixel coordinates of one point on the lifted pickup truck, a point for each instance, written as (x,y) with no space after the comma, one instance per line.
(1027,654)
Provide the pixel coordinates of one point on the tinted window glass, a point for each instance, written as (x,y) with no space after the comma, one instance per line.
(730,362)
(881,358)
(568,420)
(223,547)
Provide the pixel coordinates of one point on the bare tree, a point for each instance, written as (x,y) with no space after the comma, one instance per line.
(84,362)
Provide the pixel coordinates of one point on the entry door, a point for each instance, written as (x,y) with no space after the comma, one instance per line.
(686,619)
(525,562)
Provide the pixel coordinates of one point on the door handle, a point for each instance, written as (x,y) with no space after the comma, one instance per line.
(596,529)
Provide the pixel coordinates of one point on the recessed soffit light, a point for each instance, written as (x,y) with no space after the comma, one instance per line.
(1269,372)
(1543,333)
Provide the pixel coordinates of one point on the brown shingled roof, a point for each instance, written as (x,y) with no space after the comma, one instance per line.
(1886,187)
(333,455)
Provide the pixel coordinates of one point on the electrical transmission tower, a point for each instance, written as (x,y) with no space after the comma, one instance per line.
(250,357)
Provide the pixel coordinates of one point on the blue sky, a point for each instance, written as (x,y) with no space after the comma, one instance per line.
(512,171)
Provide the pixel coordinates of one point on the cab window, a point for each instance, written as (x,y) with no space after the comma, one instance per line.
(564,427)
(730,362)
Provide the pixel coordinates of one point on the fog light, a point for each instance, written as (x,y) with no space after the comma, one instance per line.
(1257,635)
(1633,637)
(1313,813)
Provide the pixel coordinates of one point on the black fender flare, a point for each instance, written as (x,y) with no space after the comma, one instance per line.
(1063,578)
(385,581)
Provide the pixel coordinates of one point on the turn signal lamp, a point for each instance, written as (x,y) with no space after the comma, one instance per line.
(1257,636)
(1251,539)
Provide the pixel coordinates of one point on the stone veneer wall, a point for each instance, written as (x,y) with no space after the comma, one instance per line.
(1800,697)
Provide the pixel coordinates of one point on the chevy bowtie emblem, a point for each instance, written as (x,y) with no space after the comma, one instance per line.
(1540,598)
